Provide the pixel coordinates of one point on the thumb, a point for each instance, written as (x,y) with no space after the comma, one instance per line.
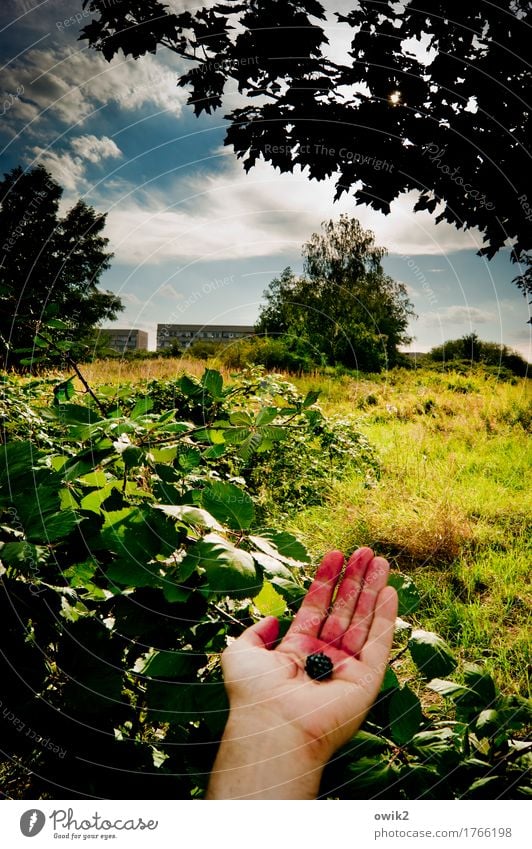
(260,635)
(241,658)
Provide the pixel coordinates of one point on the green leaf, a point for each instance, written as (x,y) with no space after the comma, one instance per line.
(437,748)
(369,776)
(448,689)
(40,342)
(266,416)
(390,680)
(269,602)
(408,594)
(229,570)
(175,592)
(233,436)
(489,722)
(281,545)
(182,703)
(484,788)
(81,574)
(365,744)
(229,504)
(133,457)
(188,459)
(289,589)
(131,573)
(51,527)
(272,565)
(431,654)
(214,452)
(405,715)
(76,414)
(30,361)
(241,419)
(250,445)
(189,386)
(173,664)
(138,533)
(56,324)
(17,458)
(194,516)
(311,398)
(163,455)
(97,478)
(274,433)
(143,406)
(213,382)
(481,683)
(94,500)
(21,554)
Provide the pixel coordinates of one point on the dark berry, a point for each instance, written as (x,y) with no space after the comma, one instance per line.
(319,666)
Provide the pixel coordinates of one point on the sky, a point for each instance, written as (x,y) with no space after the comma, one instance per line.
(196,239)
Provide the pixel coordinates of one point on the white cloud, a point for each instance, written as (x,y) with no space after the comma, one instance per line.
(457,314)
(65,85)
(168,291)
(231,214)
(68,168)
(130,299)
(93,148)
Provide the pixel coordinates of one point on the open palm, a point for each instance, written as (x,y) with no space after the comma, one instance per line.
(355,633)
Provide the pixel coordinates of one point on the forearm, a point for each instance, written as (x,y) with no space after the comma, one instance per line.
(258,760)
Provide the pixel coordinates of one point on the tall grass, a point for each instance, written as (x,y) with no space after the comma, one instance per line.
(452,505)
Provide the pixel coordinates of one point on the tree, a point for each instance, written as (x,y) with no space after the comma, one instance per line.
(471,349)
(343,304)
(433,102)
(50,269)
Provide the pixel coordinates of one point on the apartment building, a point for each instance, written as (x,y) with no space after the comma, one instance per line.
(125,339)
(185,334)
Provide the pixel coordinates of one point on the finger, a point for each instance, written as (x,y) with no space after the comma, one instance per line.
(376,651)
(260,635)
(247,658)
(310,616)
(339,619)
(374,580)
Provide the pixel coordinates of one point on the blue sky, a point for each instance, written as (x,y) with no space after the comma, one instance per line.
(195,238)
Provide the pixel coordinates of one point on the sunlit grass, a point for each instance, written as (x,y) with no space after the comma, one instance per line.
(452,504)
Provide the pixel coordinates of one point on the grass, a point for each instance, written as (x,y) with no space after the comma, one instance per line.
(452,505)
(451,509)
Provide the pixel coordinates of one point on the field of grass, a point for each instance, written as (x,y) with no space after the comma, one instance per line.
(452,505)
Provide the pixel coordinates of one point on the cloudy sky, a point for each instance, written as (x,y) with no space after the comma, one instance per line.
(195,239)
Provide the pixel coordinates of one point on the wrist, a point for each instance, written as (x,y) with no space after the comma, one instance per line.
(263,757)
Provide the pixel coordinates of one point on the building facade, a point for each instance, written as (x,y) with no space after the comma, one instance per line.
(185,334)
(122,340)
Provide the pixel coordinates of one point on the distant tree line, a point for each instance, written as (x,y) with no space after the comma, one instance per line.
(474,350)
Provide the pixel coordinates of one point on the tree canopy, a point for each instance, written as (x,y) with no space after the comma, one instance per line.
(50,268)
(343,306)
(472,349)
(438,96)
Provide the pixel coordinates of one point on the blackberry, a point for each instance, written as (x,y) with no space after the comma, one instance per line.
(318,666)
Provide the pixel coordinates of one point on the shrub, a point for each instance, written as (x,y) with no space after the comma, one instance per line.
(132,549)
(470,349)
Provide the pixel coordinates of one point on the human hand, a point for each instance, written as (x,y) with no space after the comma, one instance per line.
(273,699)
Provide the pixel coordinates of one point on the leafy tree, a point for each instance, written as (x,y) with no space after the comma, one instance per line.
(475,350)
(447,121)
(344,304)
(50,267)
